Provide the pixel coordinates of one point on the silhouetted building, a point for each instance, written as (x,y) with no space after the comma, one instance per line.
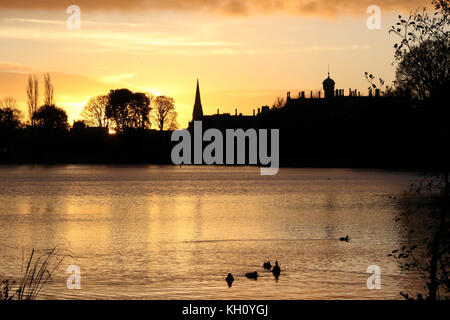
(316,130)
(335,97)
(264,116)
(223,120)
(198,110)
(328,87)
(80,127)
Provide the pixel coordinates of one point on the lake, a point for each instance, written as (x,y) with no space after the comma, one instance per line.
(168,232)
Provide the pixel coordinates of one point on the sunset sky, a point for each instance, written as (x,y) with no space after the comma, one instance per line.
(245,53)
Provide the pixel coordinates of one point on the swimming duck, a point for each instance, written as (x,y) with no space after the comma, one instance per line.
(229,279)
(252,275)
(276,270)
(267,265)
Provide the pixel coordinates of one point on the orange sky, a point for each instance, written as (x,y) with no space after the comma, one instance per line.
(245,53)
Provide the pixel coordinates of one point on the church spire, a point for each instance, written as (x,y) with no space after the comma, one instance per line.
(197,95)
(198,110)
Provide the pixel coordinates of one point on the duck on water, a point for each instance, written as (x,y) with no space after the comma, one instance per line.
(252,275)
(276,270)
(229,279)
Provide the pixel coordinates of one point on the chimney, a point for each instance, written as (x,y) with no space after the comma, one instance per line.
(350,92)
(253,112)
(303,94)
(319,94)
(377,92)
(289,95)
(310,95)
(370,92)
(235,112)
(337,93)
(218,111)
(259,110)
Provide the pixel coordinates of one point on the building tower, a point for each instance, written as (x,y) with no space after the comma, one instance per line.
(197,114)
(328,87)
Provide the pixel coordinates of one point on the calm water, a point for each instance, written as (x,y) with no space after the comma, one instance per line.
(172,233)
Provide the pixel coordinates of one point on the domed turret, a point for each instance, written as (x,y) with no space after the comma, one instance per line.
(328,87)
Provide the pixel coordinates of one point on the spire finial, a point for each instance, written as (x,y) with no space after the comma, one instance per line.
(328,70)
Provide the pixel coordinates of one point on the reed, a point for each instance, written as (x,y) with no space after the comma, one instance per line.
(37,273)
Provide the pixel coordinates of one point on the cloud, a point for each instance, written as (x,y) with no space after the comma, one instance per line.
(236,7)
(117,78)
(39,21)
(63,22)
(351,47)
(125,42)
(15,67)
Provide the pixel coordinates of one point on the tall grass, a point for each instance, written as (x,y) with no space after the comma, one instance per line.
(6,289)
(37,273)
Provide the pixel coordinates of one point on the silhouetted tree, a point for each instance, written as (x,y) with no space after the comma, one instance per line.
(141,107)
(423,53)
(165,115)
(8,102)
(385,90)
(427,251)
(51,117)
(279,103)
(127,109)
(9,118)
(94,112)
(49,91)
(33,96)
(9,114)
(423,69)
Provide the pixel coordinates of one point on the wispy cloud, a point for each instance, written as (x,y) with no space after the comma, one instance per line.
(351,47)
(240,7)
(38,21)
(130,43)
(15,67)
(117,78)
(120,38)
(84,22)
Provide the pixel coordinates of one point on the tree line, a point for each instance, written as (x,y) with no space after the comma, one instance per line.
(47,115)
(119,110)
(122,109)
